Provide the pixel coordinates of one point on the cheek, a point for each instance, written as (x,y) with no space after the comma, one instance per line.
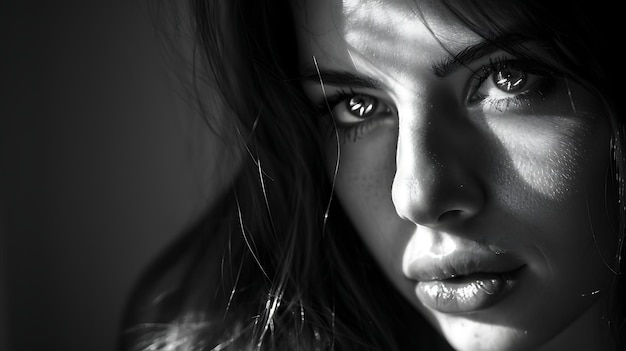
(546,154)
(365,168)
(363,186)
(552,177)
(556,150)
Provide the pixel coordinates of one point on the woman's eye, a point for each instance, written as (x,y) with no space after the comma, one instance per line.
(361,106)
(354,114)
(351,109)
(504,84)
(510,80)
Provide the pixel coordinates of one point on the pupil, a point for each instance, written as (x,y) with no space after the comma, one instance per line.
(509,80)
(361,105)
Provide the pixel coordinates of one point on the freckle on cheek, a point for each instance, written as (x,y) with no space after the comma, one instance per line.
(370,188)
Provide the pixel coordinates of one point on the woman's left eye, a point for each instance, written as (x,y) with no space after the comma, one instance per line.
(510,80)
(503,84)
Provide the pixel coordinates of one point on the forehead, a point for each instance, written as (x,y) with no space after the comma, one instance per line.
(391,35)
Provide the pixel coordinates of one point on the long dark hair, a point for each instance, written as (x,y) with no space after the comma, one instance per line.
(264,269)
(274,263)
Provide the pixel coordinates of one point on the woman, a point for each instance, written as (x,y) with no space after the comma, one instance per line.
(406,165)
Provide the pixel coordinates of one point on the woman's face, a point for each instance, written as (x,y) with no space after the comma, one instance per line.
(476,178)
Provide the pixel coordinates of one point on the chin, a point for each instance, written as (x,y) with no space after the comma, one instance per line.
(467,335)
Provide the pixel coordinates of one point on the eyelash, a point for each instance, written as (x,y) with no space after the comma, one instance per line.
(541,81)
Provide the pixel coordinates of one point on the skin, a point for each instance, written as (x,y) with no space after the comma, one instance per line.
(430,172)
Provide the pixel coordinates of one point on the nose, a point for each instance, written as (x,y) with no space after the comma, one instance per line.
(437,181)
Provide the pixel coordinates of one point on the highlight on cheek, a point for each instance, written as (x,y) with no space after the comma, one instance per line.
(545,151)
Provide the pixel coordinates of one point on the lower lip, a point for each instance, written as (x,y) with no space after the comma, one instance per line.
(465,294)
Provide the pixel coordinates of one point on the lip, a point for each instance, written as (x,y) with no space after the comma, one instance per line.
(464,280)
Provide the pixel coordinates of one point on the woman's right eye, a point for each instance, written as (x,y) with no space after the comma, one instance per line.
(361,106)
(354,108)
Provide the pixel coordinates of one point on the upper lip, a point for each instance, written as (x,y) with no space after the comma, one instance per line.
(461,262)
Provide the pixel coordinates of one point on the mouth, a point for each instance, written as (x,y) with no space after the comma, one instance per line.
(465,280)
(467,293)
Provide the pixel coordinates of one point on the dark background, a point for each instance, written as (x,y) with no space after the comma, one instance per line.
(101,165)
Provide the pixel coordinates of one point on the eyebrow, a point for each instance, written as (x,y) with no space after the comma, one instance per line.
(472,53)
(337,77)
(441,69)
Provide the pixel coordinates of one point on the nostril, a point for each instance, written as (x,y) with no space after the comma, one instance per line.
(453,215)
